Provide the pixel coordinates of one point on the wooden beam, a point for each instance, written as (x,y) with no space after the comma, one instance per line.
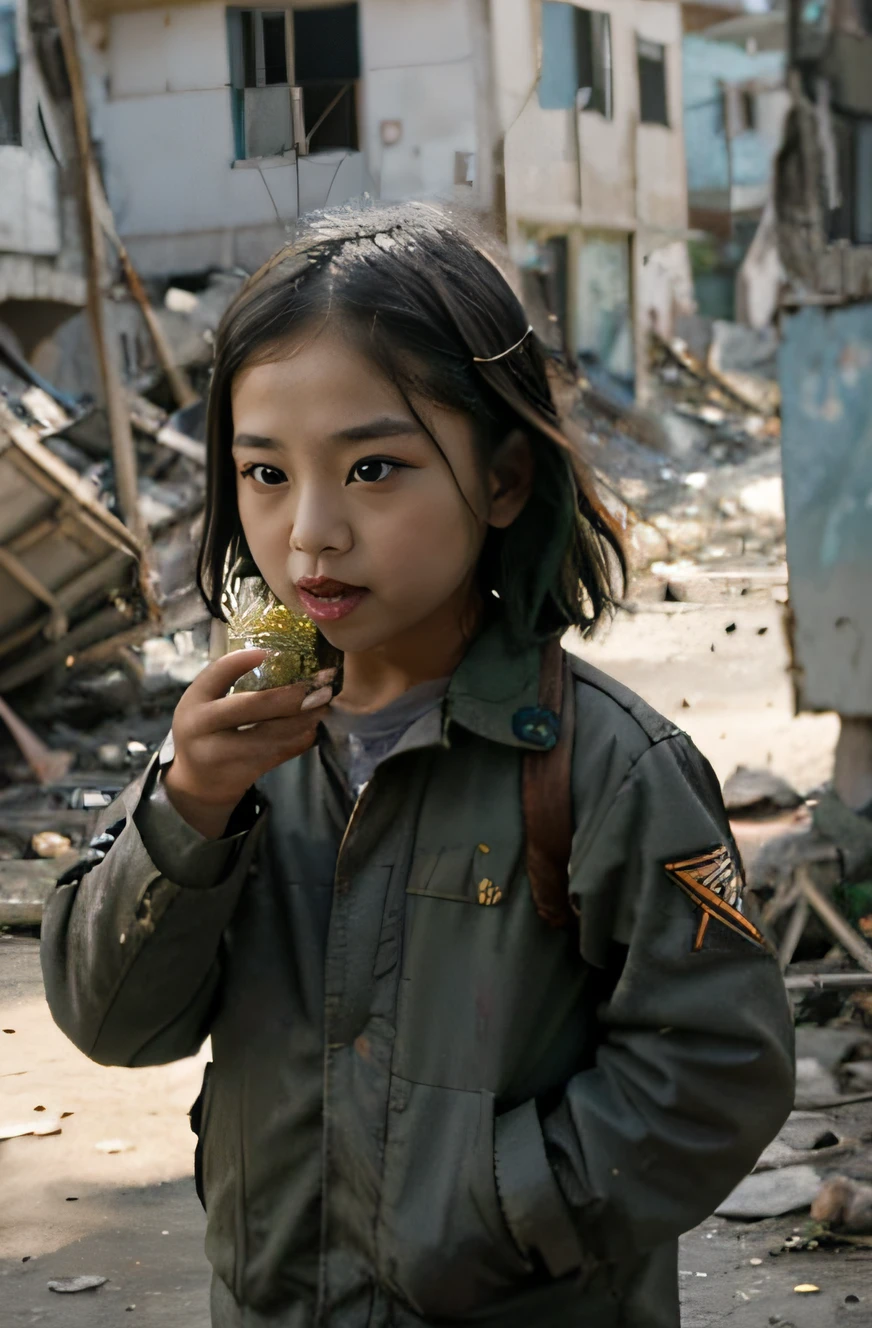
(123,449)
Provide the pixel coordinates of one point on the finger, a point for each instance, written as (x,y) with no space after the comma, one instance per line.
(219,676)
(315,700)
(277,735)
(232,712)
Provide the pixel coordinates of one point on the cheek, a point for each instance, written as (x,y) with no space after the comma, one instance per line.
(432,538)
(265,526)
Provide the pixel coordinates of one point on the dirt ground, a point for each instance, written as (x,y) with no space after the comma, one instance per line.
(68,1207)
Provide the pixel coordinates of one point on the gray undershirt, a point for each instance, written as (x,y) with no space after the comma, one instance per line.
(360,742)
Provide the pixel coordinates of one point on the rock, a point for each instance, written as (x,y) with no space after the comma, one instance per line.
(830,1046)
(845,1204)
(25,885)
(753,792)
(85,1282)
(764,497)
(112,756)
(803,1132)
(50,844)
(771,1194)
(814,1083)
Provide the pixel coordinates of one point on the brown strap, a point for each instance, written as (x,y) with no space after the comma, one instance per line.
(547,795)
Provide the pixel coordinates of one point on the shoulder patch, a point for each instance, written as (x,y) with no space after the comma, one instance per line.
(714,881)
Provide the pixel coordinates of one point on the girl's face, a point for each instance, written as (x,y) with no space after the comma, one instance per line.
(349,510)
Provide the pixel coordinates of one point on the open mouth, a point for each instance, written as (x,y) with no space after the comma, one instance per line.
(326,600)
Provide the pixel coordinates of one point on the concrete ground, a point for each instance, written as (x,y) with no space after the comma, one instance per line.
(68,1207)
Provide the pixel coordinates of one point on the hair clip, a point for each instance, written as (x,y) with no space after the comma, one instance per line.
(491,359)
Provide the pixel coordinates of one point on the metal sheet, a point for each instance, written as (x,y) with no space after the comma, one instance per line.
(825,371)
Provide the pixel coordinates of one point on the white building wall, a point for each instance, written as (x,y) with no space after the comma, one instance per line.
(168,136)
(30,220)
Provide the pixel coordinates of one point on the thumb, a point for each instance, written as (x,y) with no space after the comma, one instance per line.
(218,677)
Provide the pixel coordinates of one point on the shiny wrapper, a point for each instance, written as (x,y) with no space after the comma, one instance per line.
(297,649)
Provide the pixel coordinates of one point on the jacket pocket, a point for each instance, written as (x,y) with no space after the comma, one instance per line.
(443,1244)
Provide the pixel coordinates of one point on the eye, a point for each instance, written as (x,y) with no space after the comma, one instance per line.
(372,470)
(268,475)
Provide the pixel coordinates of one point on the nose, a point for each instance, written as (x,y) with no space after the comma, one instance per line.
(318,524)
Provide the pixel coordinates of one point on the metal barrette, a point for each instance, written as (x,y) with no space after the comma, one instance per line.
(491,359)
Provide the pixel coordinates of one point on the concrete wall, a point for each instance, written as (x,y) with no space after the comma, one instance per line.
(748,162)
(179,199)
(630,174)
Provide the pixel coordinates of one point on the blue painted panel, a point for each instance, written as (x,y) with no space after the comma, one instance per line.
(826,383)
(558,82)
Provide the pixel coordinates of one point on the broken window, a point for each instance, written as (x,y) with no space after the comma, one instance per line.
(272,52)
(651,60)
(10,99)
(576,59)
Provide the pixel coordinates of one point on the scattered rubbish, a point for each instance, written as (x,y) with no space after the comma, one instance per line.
(806,1288)
(771,1193)
(50,844)
(84,1282)
(755,1263)
(114,1146)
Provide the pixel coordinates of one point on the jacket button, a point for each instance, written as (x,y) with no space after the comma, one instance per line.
(536,725)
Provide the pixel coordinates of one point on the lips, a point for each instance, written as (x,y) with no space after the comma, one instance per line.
(327,600)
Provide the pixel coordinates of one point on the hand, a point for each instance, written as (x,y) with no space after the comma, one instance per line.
(217,757)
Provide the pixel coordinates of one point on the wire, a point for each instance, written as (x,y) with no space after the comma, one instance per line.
(271,199)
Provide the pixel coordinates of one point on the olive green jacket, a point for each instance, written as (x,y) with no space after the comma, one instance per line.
(426,1106)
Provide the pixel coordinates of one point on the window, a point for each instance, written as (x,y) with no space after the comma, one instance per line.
(651,59)
(576,59)
(327,68)
(275,51)
(737,110)
(10,103)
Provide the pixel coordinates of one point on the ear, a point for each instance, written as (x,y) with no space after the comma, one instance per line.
(510,479)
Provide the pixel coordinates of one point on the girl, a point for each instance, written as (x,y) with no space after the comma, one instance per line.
(490,1028)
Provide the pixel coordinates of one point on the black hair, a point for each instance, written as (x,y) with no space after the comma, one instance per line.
(426,302)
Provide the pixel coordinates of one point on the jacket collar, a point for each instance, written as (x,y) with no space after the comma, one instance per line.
(494,693)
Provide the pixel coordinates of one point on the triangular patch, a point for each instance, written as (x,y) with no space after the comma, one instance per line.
(714,881)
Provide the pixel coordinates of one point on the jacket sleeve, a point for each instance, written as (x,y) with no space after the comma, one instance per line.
(694,1066)
(131,938)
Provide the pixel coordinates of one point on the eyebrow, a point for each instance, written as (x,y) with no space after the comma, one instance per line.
(385,426)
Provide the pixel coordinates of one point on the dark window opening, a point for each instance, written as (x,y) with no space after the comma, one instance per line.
(748,117)
(327,67)
(651,59)
(576,59)
(275,50)
(10,86)
(593,48)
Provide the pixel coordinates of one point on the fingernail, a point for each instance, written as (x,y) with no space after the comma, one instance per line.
(326,675)
(319,698)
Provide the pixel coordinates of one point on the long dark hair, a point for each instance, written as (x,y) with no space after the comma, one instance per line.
(426,302)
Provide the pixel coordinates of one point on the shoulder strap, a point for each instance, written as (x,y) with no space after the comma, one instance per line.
(546,795)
